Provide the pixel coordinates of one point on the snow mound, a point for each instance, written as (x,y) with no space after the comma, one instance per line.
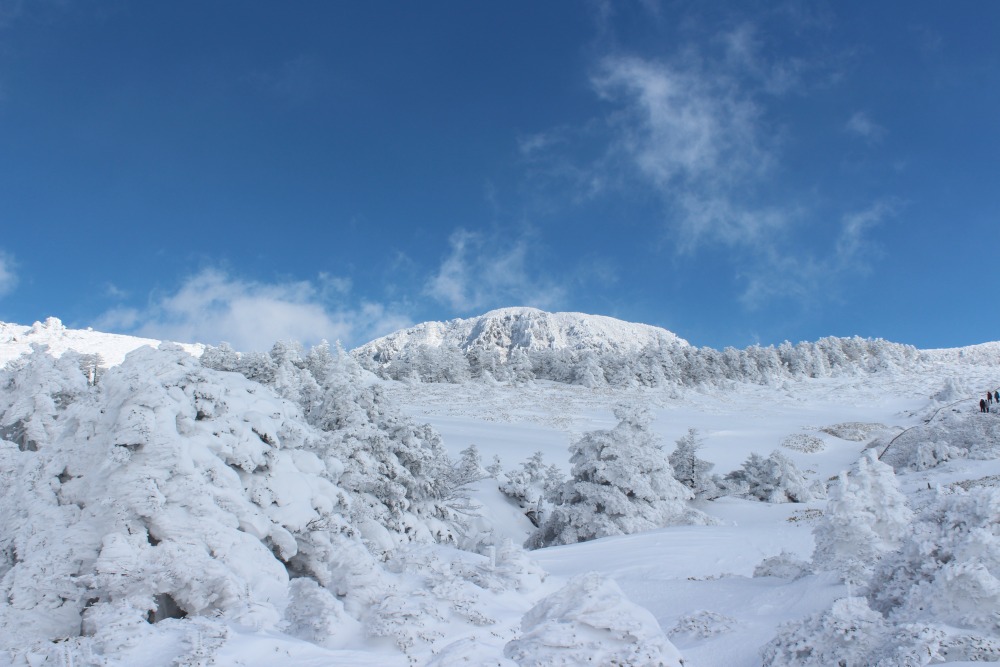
(590,621)
(853,431)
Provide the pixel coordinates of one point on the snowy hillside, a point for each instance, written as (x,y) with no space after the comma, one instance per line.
(523,344)
(16,339)
(292,508)
(528,329)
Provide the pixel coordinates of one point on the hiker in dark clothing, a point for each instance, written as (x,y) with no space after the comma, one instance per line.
(996,395)
(989,398)
(982,405)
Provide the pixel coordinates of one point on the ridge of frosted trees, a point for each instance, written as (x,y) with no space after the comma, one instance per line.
(622,483)
(651,366)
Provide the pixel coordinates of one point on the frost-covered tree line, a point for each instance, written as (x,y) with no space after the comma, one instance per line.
(649,367)
(169,499)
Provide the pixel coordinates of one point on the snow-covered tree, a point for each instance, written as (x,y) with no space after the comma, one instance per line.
(495,469)
(693,472)
(621,483)
(530,485)
(774,479)
(469,468)
(867,516)
(397,472)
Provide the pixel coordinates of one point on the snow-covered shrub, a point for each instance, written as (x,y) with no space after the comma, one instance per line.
(495,469)
(530,485)
(621,483)
(693,472)
(397,473)
(35,388)
(140,507)
(441,589)
(774,479)
(867,516)
(316,615)
(702,625)
(803,442)
(947,569)
(590,621)
(853,431)
(850,634)
(783,566)
(469,468)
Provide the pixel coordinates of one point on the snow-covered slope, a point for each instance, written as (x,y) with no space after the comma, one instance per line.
(17,339)
(298,511)
(507,329)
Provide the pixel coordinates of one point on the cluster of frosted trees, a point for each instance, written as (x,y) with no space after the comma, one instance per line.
(924,577)
(184,496)
(651,366)
(622,481)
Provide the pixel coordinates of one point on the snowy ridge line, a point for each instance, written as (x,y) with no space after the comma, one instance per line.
(17,340)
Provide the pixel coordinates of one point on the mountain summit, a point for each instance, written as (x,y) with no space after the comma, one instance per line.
(530,329)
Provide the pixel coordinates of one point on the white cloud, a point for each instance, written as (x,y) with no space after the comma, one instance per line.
(696,129)
(862,125)
(483,271)
(696,136)
(8,278)
(212,306)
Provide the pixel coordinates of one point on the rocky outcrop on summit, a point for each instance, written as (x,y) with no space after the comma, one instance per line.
(528,329)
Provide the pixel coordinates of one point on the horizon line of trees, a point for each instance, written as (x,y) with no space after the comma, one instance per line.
(652,366)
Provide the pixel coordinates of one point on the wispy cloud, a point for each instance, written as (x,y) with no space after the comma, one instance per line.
(482,271)
(696,136)
(9,11)
(801,277)
(697,128)
(296,80)
(861,124)
(213,306)
(8,276)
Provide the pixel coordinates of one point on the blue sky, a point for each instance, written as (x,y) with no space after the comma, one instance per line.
(738,173)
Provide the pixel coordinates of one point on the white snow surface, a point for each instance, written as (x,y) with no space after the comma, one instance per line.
(17,339)
(526,328)
(689,591)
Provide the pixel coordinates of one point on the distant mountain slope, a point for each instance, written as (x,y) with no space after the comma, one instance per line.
(529,329)
(17,339)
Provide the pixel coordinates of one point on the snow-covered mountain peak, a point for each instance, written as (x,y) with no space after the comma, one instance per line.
(507,329)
